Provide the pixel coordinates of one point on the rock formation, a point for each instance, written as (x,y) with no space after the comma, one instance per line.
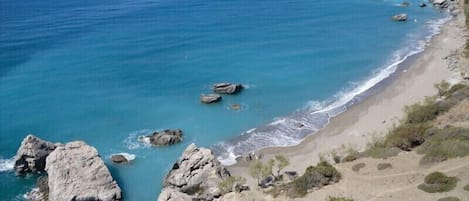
(119,158)
(76,172)
(210,98)
(32,154)
(400,17)
(164,138)
(227,88)
(195,175)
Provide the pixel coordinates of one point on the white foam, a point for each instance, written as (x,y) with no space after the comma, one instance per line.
(7,164)
(137,139)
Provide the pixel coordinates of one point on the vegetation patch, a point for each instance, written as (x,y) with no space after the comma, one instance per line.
(358,166)
(339,199)
(382,166)
(231,183)
(314,177)
(451,198)
(442,144)
(438,182)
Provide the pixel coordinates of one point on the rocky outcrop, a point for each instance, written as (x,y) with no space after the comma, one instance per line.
(76,172)
(32,154)
(195,175)
(210,98)
(227,88)
(400,17)
(439,3)
(163,138)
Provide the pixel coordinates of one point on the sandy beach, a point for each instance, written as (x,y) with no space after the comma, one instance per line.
(373,117)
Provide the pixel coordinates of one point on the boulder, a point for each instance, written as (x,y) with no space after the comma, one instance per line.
(32,154)
(405,4)
(119,158)
(267,181)
(227,88)
(400,17)
(422,5)
(440,3)
(173,194)
(210,98)
(165,138)
(76,172)
(196,174)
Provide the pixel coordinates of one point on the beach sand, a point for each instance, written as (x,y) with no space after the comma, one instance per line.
(373,117)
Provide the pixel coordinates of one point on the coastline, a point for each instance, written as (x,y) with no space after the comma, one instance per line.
(372,117)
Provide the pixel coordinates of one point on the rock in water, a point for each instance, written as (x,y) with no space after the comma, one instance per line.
(401,17)
(423,5)
(210,98)
(32,154)
(76,172)
(195,175)
(119,158)
(166,137)
(227,88)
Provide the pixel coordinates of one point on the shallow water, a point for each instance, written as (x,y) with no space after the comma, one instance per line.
(106,72)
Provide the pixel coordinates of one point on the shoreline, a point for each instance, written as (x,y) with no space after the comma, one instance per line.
(372,117)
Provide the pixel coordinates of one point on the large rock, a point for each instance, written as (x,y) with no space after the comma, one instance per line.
(173,194)
(32,154)
(400,17)
(164,138)
(227,88)
(76,172)
(196,174)
(210,98)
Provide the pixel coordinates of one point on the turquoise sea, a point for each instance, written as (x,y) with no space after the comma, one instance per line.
(108,71)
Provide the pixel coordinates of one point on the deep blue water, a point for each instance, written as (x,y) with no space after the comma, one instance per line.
(108,71)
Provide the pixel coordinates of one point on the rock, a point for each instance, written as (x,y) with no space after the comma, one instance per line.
(32,154)
(227,88)
(291,174)
(166,137)
(172,194)
(267,182)
(440,4)
(196,174)
(422,5)
(210,98)
(235,106)
(400,17)
(76,172)
(405,4)
(119,158)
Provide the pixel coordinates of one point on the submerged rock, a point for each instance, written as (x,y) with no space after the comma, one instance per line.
(400,17)
(405,4)
(195,175)
(32,154)
(76,172)
(210,98)
(227,88)
(164,138)
(422,5)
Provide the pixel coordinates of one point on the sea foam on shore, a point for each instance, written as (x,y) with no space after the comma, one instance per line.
(292,129)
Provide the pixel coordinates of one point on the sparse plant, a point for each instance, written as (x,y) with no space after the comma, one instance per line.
(260,170)
(339,199)
(382,166)
(438,182)
(281,163)
(466,187)
(450,198)
(442,87)
(227,184)
(358,166)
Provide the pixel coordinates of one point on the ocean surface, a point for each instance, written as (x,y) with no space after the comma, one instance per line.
(107,72)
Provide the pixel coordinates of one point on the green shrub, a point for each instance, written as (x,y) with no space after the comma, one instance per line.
(442,87)
(358,166)
(454,88)
(449,199)
(442,144)
(382,166)
(466,187)
(438,182)
(351,156)
(381,151)
(339,199)
(315,176)
(406,136)
(424,112)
